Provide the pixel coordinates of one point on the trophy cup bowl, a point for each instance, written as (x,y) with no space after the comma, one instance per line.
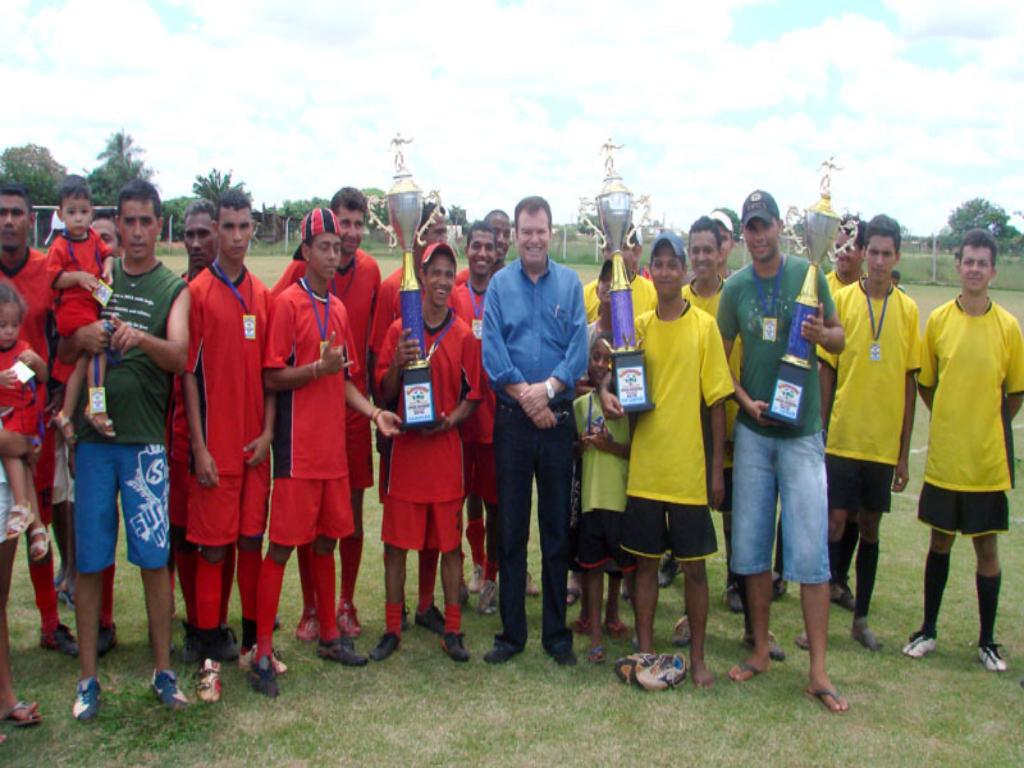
(405,206)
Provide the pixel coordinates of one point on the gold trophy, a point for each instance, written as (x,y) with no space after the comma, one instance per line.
(614,208)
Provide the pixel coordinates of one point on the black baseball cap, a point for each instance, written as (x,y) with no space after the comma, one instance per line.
(759,205)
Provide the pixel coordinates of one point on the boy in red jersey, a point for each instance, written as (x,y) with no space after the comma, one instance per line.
(308,365)
(424,508)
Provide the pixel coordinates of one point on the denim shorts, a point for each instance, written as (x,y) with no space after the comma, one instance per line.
(766,469)
(6,502)
(139,473)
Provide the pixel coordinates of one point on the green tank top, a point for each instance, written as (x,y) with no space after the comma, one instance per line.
(138,391)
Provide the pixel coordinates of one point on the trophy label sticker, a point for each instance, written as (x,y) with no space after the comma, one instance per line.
(478,328)
(103,293)
(769,328)
(786,400)
(23,372)
(97,400)
(632,386)
(876,352)
(419,403)
(249,327)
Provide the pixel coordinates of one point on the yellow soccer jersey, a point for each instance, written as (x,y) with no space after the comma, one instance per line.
(867,412)
(971,362)
(686,367)
(645,297)
(709,304)
(835,284)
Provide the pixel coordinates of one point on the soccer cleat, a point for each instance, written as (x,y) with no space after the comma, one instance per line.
(387,645)
(626,667)
(61,640)
(208,685)
(246,658)
(452,644)
(665,672)
(308,629)
(348,620)
(340,649)
(262,677)
(681,632)
(431,619)
(487,603)
(87,700)
(224,646)
(990,657)
(107,640)
(920,645)
(165,686)
(477,582)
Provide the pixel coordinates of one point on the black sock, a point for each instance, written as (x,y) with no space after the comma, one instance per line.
(936,571)
(848,544)
(834,556)
(988,603)
(779,563)
(248,633)
(741,590)
(867,567)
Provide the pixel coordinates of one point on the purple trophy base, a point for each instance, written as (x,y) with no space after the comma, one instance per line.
(623,332)
(412,317)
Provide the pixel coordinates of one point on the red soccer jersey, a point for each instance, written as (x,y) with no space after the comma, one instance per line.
(478,428)
(427,468)
(33,282)
(309,432)
(21,398)
(227,342)
(67,255)
(462,277)
(179,441)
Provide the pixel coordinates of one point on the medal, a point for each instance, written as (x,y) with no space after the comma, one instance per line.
(769,328)
(103,293)
(478,329)
(249,327)
(324,346)
(876,352)
(97,400)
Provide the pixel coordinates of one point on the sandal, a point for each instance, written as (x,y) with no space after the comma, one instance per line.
(581,626)
(596,655)
(821,693)
(29,715)
(616,629)
(38,544)
(19,519)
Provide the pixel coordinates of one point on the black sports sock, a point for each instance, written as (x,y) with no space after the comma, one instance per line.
(834,556)
(936,571)
(988,603)
(248,633)
(741,590)
(779,563)
(848,544)
(867,567)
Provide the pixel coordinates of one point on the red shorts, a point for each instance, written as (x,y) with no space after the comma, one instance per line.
(45,468)
(177,497)
(411,525)
(76,308)
(479,470)
(358,443)
(301,510)
(236,506)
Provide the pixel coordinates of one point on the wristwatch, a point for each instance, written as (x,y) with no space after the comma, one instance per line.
(550,389)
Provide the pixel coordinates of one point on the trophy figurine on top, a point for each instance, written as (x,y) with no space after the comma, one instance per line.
(405,209)
(614,208)
(820,224)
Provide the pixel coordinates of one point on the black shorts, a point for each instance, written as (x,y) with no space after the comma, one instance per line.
(726,505)
(651,527)
(972,513)
(856,484)
(600,542)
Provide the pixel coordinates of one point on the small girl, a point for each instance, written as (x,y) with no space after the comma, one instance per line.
(22,373)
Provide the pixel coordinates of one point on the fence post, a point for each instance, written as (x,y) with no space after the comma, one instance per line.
(935,260)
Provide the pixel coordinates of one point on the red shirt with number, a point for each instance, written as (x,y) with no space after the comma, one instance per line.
(469,305)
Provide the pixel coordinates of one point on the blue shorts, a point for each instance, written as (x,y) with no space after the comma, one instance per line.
(766,469)
(140,474)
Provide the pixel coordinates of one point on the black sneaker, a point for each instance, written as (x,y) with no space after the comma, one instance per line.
(340,651)
(107,640)
(61,640)
(565,657)
(499,654)
(262,678)
(451,643)
(191,650)
(387,645)
(225,646)
(431,619)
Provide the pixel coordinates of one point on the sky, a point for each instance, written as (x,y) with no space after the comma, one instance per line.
(921,103)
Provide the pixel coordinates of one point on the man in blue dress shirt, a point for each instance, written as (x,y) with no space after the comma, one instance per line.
(534,351)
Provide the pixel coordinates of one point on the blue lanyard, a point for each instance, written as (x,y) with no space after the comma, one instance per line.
(875,334)
(313,299)
(71,253)
(449,322)
(222,276)
(775,292)
(478,306)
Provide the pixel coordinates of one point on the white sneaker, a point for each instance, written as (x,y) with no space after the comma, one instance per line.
(488,601)
(477,582)
(920,645)
(989,656)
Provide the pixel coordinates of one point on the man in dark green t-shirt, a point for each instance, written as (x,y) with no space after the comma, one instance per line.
(145,329)
(772,461)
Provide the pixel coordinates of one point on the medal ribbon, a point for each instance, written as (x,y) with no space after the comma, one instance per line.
(222,276)
(448,323)
(478,306)
(875,334)
(770,311)
(313,299)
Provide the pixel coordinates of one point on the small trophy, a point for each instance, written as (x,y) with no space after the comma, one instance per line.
(614,208)
(820,226)
(405,208)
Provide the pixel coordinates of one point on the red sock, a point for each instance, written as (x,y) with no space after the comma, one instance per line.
(452,618)
(248,581)
(323,581)
(306,579)
(227,579)
(351,551)
(107,597)
(208,588)
(271,577)
(185,565)
(393,618)
(491,570)
(428,578)
(475,537)
(46,596)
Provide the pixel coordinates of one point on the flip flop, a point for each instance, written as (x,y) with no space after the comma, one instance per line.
(820,695)
(616,629)
(30,718)
(745,667)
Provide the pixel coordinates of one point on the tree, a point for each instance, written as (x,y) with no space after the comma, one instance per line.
(457,216)
(214,184)
(34,167)
(737,225)
(980,213)
(174,212)
(121,162)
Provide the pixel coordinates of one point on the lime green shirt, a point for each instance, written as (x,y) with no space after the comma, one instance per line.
(603,485)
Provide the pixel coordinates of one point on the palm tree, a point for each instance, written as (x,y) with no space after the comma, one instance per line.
(214,184)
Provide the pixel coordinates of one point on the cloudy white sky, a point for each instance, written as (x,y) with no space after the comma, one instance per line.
(921,102)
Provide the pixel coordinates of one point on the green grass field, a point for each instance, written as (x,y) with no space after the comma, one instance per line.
(418,708)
